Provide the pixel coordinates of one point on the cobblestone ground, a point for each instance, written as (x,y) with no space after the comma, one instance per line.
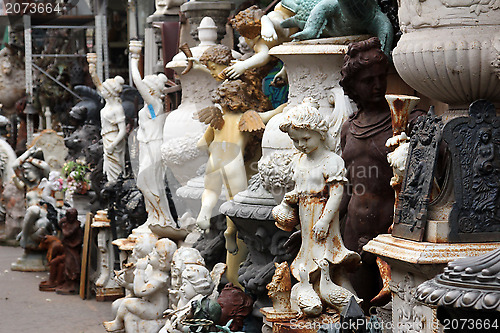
(23,308)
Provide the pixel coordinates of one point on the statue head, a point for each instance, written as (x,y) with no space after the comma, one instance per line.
(165,248)
(71,215)
(247,22)
(113,87)
(182,257)
(156,84)
(196,280)
(364,72)
(216,58)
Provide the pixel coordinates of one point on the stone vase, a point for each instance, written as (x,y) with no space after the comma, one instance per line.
(450,51)
(313,69)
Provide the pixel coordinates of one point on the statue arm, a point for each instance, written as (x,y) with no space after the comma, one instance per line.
(332,206)
(122,132)
(136,77)
(92,60)
(266,116)
(143,286)
(207,138)
(259,59)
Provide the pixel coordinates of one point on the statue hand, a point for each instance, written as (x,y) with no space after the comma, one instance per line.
(268,33)
(320,230)
(92,58)
(135,48)
(233,72)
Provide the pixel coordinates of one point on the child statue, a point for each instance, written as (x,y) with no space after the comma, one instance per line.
(319,176)
(150,178)
(113,125)
(261,32)
(151,280)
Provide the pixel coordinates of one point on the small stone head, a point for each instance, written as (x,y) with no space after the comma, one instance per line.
(182,257)
(113,87)
(216,58)
(361,58)
(247,22)
(196,280)
(165,248)
(306,126)
(156,84)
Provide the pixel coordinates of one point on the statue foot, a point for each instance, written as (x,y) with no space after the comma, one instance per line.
(67,289)
(203,221)
(231,245)
(112,326)
(47,286)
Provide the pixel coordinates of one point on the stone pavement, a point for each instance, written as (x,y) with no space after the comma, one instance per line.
(23,308)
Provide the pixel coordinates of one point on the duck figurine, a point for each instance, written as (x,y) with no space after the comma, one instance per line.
(331,293)
(305,296)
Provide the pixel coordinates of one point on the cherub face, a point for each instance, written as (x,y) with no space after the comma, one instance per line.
(215,69)
(305,140)
(187,290)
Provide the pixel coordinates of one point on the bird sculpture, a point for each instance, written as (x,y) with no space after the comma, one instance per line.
(306,297)
(331,293)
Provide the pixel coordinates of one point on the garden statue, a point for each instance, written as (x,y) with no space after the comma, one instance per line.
(233,143)
(261,32)
(12,78)
(235,305)
(319,176)
(143,313)
(50,186)
(279,290)
(182,257)
(335,18)
(151,175)
(72,240)
(12,217)
(197,283)
(55,258)
(113,126)
(167,7)
(369,203)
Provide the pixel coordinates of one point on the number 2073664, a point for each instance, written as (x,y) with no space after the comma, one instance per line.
(32,8)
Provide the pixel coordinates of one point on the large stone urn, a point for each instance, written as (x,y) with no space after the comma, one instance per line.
(313,69)
(181,132)
(450,51)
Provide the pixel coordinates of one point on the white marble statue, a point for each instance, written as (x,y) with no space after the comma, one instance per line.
(150,178)
(167,7)
(319,175)
(113,127)
(144,312)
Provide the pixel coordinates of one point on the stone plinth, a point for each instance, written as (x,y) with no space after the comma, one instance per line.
(412,263)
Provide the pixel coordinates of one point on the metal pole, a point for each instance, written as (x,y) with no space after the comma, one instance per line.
(29,75)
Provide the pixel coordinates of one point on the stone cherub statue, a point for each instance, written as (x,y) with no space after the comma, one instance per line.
(261,32)
(319,175)
(335,18)
(151,174)
(143,313)
(197,283)
(113,124)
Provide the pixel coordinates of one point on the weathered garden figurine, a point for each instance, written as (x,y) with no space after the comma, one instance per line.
(261,32)
(113,125)
(55,258)
(72,241)
(368,202)
(319,176)
(143,313)
(150,178)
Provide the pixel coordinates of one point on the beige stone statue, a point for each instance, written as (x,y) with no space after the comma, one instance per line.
(319,175)
(113,129)
(143,313)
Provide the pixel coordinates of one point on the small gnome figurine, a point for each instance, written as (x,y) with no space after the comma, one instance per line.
(72,242)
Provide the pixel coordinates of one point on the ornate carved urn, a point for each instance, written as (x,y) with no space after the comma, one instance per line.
(450,50)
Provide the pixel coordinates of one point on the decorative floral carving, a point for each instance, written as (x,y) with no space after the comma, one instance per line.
(276,170)
(181,150)
(410,315)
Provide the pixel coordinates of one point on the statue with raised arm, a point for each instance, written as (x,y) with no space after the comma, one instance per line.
(113,124)
(150,178)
